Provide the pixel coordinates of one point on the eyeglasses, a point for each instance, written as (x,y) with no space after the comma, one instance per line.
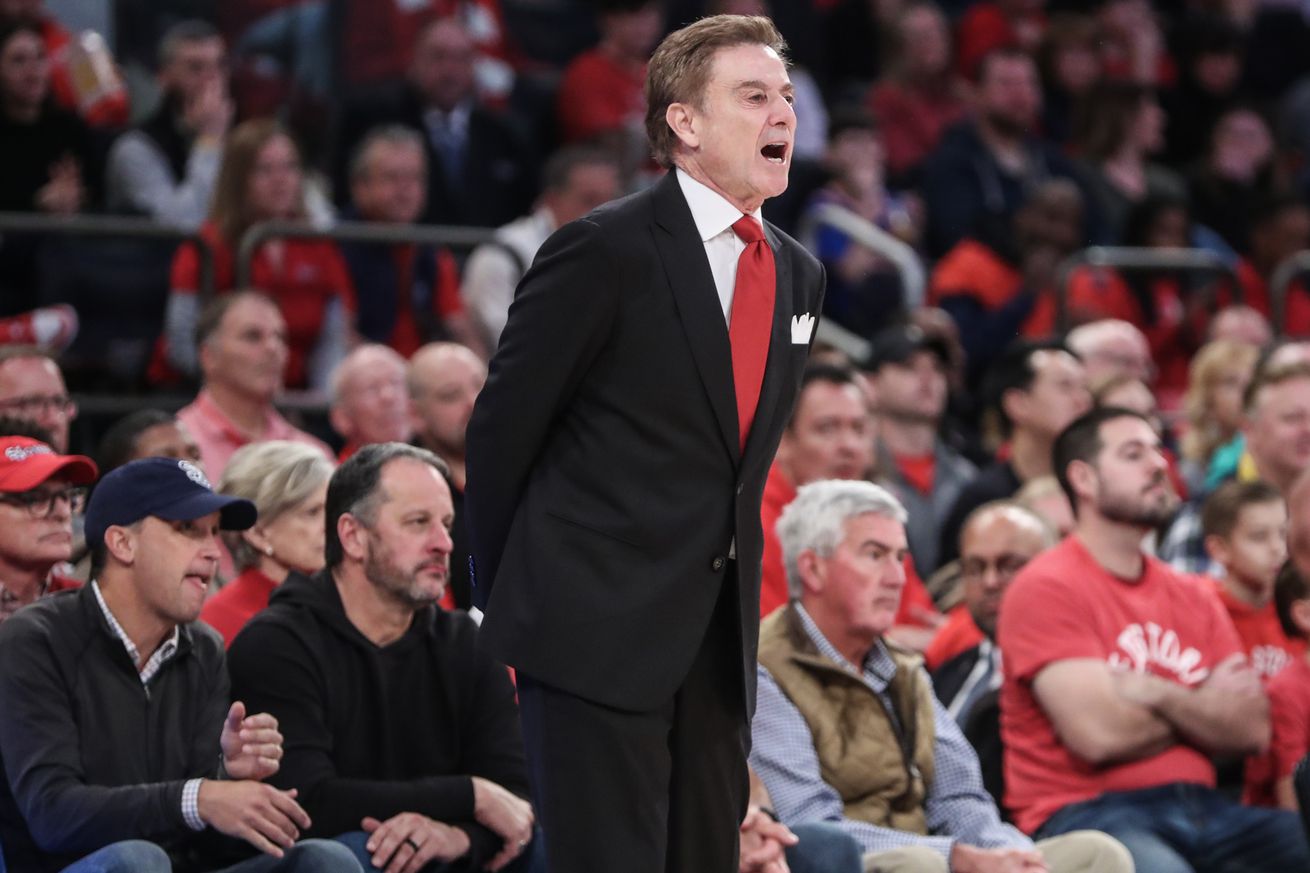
(41,504)
(38,404)
(1006,566)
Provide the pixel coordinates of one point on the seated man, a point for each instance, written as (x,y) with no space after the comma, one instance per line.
(118,743)
(1123,678)
(402,735)
(847,729)
(40,492)
(370,399)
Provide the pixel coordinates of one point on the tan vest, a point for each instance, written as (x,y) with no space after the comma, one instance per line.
(881,776)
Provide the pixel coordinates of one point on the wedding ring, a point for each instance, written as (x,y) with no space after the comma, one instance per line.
(409,841)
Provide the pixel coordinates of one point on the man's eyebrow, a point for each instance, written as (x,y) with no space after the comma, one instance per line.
(754,84)
(886,547)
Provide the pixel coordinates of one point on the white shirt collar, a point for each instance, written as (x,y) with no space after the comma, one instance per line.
(712,213)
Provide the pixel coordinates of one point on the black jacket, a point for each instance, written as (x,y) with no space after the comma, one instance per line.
(89,758)
(371,731)
(606,479)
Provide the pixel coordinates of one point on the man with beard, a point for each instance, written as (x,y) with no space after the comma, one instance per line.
(1123,678)
(402,735)
(984,167)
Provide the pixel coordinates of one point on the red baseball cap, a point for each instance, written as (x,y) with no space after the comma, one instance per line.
(25,463)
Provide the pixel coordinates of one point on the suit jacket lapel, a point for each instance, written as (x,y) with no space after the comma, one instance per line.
(779,343)
(688,272)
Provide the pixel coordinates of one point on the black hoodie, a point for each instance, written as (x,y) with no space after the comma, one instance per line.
(372,731)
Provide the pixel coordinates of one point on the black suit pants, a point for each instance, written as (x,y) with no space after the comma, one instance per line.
(662,791)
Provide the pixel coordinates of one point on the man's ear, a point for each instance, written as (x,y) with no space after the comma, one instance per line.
(681,118)
(812,571)
(1217,548)
(1300,612)
(353,536)
(1082,476)
(121,543)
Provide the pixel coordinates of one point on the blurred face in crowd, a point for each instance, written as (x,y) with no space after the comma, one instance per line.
(393,185)
(172,564)
(1128,482)
(830,435)
(1226,397)
(444,382)
(33,389)
(442,65)
(1052,218)
(633,33)
(994,547)
(1138,397)
(408,543)
(1243,324)
(912,390)
(588,185)
(1009,94)
(274,186)
(853,595)
(295,535)
(20,10)
(1147,131)
(1255,549)
(1217,72)
(372,403)
(194,66)
(855,156)
(1281,236)
(1058,394)
(1076,66)
(36,536)
(1115,349)
(24,71)
(1170,229)
(168,440)
(925,41)
(1241,145)
(738,139)
(1277,430)
(247,354)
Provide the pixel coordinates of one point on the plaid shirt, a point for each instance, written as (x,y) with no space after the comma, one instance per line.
(191,789)
(957,806)
(1183,546)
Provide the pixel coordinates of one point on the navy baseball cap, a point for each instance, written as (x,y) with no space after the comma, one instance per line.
(165,488)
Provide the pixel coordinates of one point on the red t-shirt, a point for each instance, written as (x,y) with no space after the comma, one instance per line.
(1267,647)
(958,634)
(1063,605)
(306,276)
(1289,716)
(598,95)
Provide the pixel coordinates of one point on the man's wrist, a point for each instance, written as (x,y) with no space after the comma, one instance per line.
(191,804)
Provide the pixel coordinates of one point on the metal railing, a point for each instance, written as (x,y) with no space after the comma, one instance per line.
(1130,259)
(863,232)
(459,238)
(116,226)
(1284,275)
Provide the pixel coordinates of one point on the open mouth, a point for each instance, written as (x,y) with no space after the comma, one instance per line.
(776,152)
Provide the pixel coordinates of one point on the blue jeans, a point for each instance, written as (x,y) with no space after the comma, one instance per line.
(531,860)
(824,848)
(1182,828)
(139,856)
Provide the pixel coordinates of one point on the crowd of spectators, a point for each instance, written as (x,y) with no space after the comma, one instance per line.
(1088,572)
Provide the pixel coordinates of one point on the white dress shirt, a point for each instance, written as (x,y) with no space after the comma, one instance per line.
(714,217)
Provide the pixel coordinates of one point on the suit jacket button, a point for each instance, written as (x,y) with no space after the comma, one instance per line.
(717,564)
(740,488)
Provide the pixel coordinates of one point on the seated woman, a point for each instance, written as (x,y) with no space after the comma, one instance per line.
(288,484)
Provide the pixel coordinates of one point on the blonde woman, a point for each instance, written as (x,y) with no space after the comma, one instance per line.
(1212,405)
(287,482)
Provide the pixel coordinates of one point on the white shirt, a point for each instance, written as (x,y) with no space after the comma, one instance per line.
(714,217)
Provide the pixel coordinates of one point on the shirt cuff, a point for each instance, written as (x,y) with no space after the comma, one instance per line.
(191,805)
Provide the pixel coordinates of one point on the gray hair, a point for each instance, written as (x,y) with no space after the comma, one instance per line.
(816,519)
(391,134)
(276,476)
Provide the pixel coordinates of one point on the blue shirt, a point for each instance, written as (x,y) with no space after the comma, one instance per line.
(957,806)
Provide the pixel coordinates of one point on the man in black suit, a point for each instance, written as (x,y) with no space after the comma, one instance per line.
(996,541)
(616,462)
(480,168)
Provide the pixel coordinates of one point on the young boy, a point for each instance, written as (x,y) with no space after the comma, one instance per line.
(1269,777)
(1245,526)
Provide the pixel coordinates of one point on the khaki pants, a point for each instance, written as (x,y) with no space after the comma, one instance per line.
(1074,852)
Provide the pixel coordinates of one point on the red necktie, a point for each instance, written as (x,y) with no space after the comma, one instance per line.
(752,319)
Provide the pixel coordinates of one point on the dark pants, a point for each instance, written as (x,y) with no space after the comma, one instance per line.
(645,792)
(1181,828)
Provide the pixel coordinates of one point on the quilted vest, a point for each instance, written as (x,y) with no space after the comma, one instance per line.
(880,773)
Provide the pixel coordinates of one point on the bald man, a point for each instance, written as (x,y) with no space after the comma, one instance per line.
(370,402)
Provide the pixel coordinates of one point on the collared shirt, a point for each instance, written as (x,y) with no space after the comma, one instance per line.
(714,217)
(957,806)
(161,656)
(987,669)
(219,436)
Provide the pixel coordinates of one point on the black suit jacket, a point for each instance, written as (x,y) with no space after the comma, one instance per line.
(605,478)
(497,181)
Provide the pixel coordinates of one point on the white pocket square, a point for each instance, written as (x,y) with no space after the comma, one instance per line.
(802,328)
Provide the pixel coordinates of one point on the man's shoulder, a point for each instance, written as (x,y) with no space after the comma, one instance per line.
(50,615)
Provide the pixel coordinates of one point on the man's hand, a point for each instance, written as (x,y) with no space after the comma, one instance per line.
(762,843)
(408,842)
(252,745)
(509,815)
(971,859)
(268,819)
(1234,677)
(209,113)
(63,194)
